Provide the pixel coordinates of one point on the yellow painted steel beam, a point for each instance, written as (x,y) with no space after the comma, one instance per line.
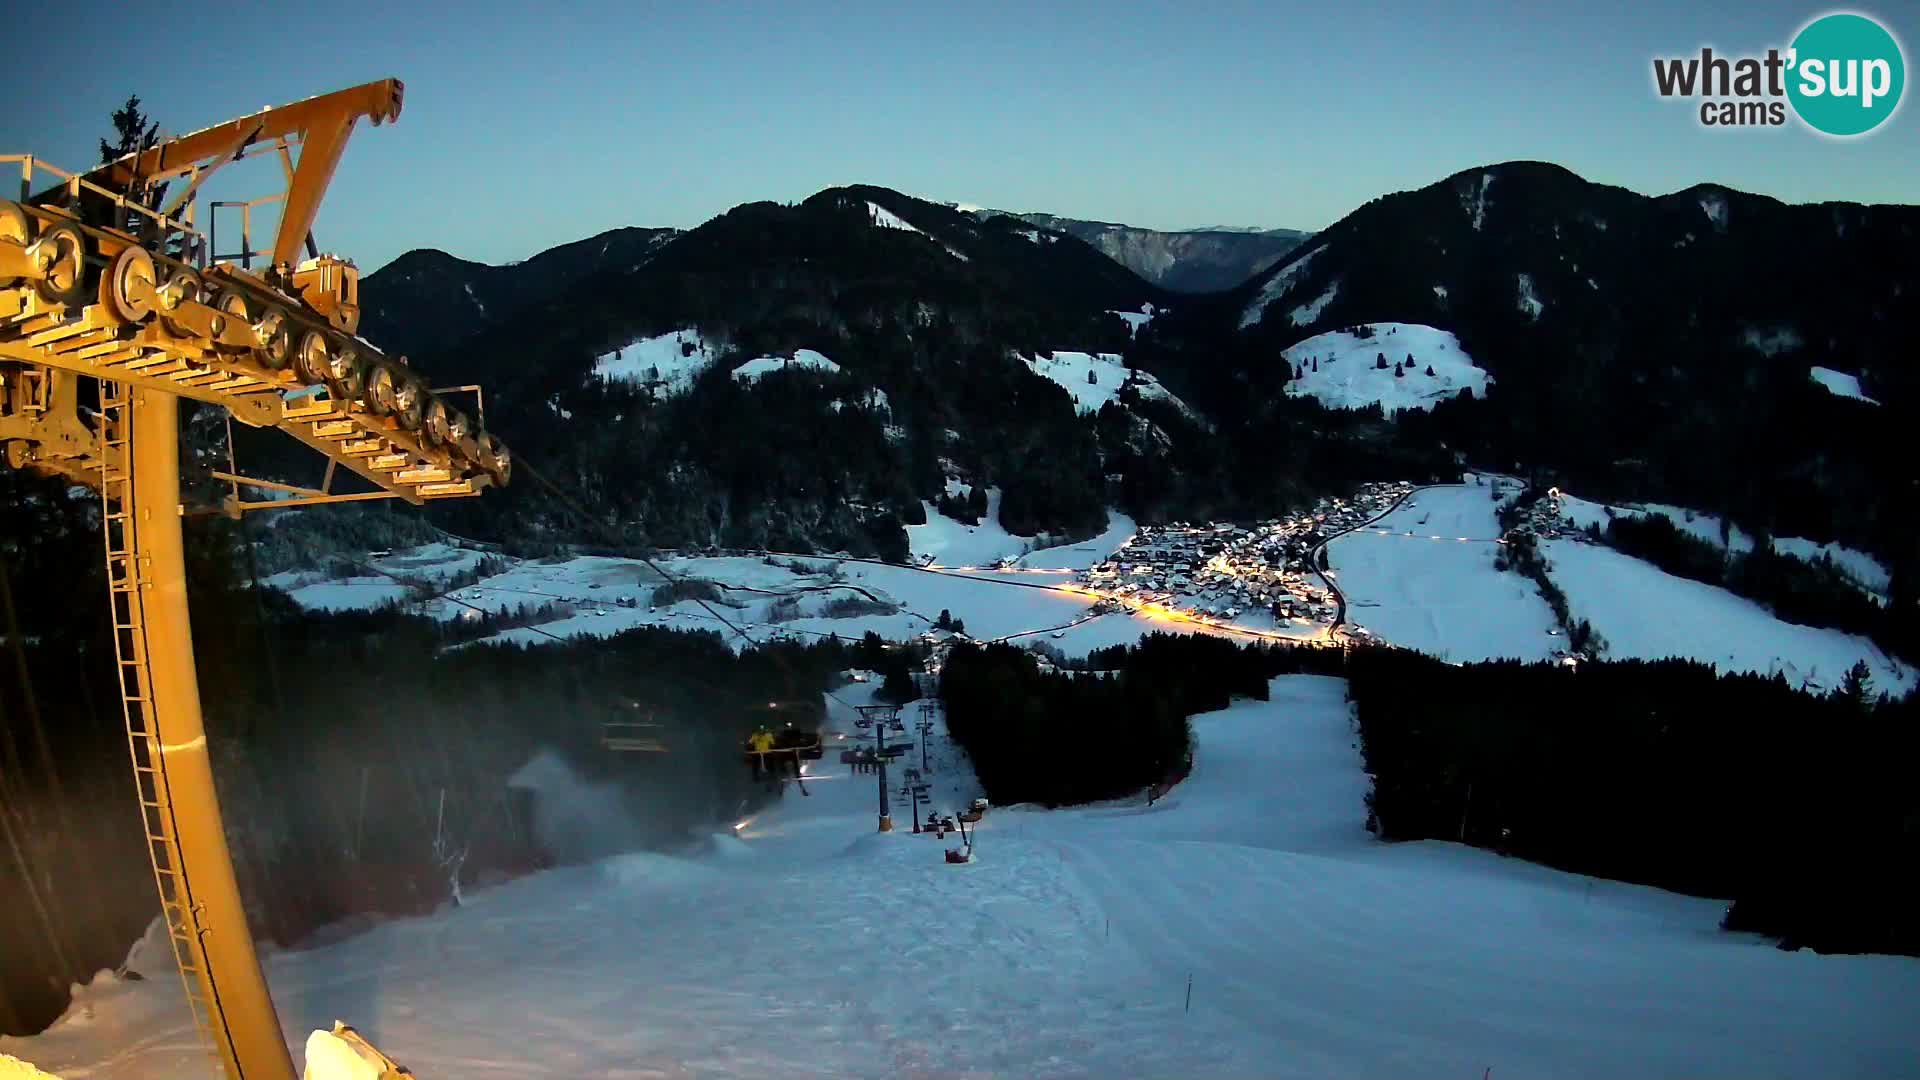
(237,507)
(270,485)
(319,156)
(334,452)
(380,101)
(256,409)
(248,1029)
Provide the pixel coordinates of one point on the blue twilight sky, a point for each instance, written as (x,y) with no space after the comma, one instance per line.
(531,124)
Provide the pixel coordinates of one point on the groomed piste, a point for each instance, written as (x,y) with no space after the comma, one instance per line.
(807,944)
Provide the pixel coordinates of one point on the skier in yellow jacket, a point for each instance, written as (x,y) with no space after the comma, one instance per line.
(758,744)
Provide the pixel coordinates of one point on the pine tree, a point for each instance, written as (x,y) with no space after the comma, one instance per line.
(1399,372)
(134,132)
(1857,689)
(1429,371)
(899,687)
(1380,361)
(1316,363)
(1092,378)
(945,621)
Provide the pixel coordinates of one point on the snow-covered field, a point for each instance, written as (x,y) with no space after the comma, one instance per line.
(955,543)
(1120,528)
(791,596)
(1348,377)
(418,570)
(1839,384)
(806,359)
(1863,568)
(1136,319)
(1866,571)
(1094,379)
(810,945)
(673,360)
(952,543)
(1422,577)
(1710,528)
(1646,613)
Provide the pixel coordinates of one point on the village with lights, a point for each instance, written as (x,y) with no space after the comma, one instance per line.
(1216,574)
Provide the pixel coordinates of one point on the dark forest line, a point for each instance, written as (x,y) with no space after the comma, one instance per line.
(1798,808)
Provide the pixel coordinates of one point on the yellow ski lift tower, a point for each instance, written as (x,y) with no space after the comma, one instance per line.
(112,311)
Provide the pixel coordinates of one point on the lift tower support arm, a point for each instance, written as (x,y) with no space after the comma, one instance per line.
(245,1027)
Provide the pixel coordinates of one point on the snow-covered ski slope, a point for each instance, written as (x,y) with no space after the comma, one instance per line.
(812,946)
(1422,577)
(1645,613)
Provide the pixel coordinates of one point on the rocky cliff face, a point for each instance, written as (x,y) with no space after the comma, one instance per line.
(1194,260)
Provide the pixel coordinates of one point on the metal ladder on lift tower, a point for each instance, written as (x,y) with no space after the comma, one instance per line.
(124,584)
